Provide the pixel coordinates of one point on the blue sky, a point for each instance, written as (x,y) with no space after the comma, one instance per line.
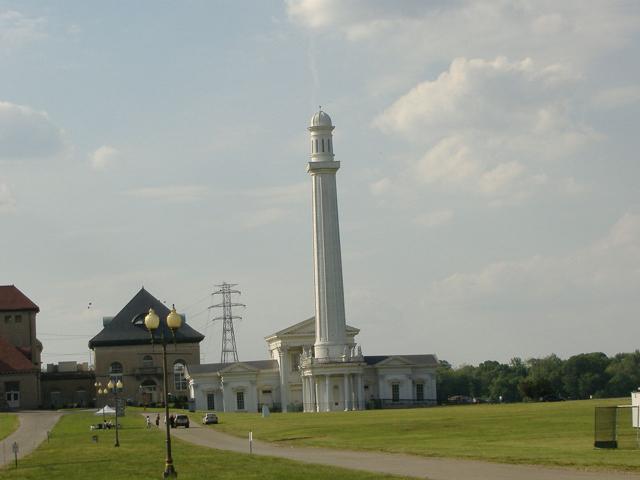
(488,193)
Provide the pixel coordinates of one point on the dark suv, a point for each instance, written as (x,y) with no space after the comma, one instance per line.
(181,421)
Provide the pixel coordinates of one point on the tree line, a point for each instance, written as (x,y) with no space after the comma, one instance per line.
(587,375)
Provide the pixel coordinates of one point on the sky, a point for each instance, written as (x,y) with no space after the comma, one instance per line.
(488,190)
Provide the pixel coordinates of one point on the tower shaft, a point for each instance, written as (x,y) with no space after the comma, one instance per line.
(327,259)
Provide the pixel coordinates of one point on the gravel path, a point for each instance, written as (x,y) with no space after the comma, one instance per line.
(398,464)
(31,433)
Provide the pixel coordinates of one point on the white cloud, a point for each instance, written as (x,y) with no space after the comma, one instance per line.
(544,29)
(262,217)
(480,94)
(7,200)
(27,133)
(281,194)
(489,124)
(381,186)
(450,163)
(171,193)
(434,219)
(269,205)
(617,97)
(571,186)
(608,268)
(500,177)
(17,29)
(103,157)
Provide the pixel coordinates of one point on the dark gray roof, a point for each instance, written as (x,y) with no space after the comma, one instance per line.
(216,367)
(428,359)
(123,331)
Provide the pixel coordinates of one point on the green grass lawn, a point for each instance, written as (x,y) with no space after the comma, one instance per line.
(8,423)
(71,454)
(536,433)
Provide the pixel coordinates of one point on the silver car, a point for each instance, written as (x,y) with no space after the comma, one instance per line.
(209,418)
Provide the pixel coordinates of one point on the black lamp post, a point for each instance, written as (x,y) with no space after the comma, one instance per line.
(99,392)
(152,322)
(115,388)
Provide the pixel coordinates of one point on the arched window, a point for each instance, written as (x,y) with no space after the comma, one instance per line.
(115,371)
(330,150)
(323,145)
(179,380)
(316,145)
(147,361)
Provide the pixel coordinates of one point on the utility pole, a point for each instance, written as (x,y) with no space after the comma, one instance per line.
(229,351)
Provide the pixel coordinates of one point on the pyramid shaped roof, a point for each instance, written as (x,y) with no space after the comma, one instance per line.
(127,327)
(13,360)
(12,299)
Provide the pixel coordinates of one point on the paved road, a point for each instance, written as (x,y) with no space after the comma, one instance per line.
(31,433)
(406,465)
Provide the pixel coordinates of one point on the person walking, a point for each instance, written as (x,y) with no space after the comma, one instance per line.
(148,422)
(158,420)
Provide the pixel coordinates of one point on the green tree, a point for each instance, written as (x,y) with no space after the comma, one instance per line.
(624,374)
(585,375)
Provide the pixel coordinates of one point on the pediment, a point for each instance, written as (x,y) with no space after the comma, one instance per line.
(394,361)
(306,328)
(238,368)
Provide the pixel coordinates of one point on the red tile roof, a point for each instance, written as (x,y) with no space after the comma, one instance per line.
(12,299)
(12,360)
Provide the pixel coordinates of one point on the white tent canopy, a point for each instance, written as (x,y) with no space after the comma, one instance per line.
(106,410)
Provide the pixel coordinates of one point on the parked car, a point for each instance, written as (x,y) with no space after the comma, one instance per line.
(181,421)
(209,418)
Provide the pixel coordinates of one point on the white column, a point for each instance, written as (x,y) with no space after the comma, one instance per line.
(307,388)
(314,394)
(354,405)
(284,378)
(346,392)
(327,388)
(360,393)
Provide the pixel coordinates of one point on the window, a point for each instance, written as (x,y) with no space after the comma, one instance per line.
(12,394)
(240,400)
(316,145)
(18,318)
(295,361)
(7,318)
(115,371)
(329,145)
(211,401)
(323,144)
(147,361)
(419,391)
(179,379)
(148,386)
(395,392)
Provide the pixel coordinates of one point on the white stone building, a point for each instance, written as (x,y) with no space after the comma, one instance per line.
(316,365)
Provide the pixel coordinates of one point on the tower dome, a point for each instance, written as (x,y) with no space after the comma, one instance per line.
(320,119)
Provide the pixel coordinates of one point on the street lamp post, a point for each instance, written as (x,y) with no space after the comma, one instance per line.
(99,392)
(115,388)
(152,322)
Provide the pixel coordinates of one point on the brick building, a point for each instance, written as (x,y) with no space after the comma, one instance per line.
(123,350)
(20,351)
